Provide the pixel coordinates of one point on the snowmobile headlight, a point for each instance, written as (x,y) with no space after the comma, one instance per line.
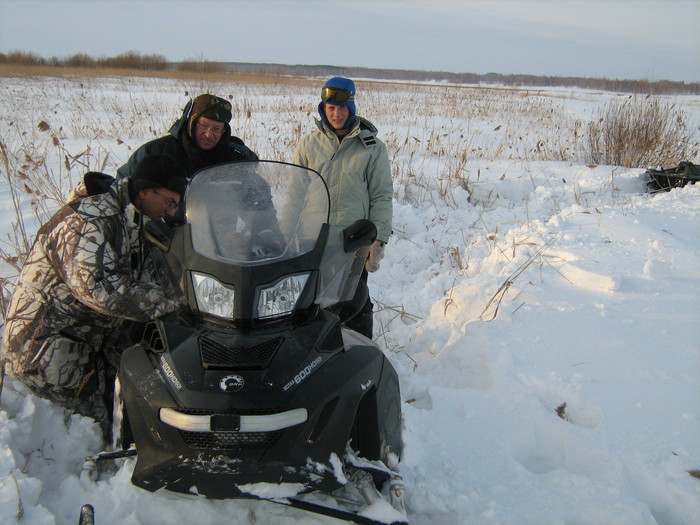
(213,297)
(281,298)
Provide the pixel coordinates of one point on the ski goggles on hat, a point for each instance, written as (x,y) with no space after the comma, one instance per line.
(336,95)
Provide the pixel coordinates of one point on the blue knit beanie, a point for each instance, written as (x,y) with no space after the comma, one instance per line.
(347,85)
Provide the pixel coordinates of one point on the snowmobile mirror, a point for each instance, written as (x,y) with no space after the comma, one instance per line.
(360,233)
(159,234)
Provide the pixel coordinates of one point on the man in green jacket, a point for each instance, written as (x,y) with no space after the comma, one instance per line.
(345,150)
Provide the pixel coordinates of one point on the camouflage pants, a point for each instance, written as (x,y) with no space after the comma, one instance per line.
(76,372)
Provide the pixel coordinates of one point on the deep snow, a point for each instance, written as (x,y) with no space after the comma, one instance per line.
(548,287)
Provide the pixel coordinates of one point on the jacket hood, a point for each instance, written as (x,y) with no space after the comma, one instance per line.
(181,123)
(113,202)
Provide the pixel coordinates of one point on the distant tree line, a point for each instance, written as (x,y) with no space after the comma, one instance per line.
(519,80)
(134,60)
(128,60)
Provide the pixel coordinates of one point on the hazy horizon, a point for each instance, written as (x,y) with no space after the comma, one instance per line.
(624,39)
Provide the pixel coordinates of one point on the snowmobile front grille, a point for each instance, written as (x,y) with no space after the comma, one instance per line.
(216,355)
(229,440)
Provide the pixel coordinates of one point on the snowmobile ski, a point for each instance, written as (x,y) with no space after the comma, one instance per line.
(103,456)
(362,482)
(345,515)
(87,512)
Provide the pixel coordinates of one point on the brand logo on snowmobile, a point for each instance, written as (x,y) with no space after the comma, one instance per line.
(303,374)
(231,383)
(169,373)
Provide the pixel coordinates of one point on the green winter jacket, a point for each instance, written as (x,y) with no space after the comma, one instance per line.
(357,173)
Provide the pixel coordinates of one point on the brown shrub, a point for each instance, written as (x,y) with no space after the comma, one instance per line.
(639,132)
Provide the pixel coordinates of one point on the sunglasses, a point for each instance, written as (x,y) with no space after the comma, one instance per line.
(170,204)
(336,95)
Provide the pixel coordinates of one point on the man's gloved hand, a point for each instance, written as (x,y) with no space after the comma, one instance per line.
(376,254)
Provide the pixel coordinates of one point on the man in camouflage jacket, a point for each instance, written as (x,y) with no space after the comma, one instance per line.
(86,274)
(200,138)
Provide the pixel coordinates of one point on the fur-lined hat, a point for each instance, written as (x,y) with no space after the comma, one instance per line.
(209,106)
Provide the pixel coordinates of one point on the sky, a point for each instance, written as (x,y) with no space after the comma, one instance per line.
(525,288)
(616,39)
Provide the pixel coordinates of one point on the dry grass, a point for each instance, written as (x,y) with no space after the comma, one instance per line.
(437,136)
(638,132)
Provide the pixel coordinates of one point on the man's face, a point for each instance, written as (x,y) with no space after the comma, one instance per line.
(207,133)
(336,115)
(158,202)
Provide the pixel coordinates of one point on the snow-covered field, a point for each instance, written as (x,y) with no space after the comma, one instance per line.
(543,314)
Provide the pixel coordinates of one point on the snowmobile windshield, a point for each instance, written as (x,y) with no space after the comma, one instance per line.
(255,212)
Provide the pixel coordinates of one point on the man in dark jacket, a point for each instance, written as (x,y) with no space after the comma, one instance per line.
(199,139)
(87,274)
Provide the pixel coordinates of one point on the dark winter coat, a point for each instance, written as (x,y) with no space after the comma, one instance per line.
(181,146)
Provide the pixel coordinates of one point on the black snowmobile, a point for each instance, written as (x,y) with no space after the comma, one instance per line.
(254,389)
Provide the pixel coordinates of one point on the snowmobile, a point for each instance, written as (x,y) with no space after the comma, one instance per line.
(254,388)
